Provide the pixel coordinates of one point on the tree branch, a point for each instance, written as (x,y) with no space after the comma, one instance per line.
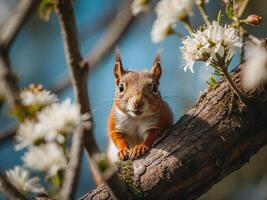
(8,80)
(78,73)
(14,23)
(242,8)
(105,45)
(107,42)
(72,173)
(203,147)
(8,32)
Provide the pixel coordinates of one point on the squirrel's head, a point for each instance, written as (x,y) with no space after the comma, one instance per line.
(137,93)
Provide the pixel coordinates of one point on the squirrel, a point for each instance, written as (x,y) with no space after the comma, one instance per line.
(139,115)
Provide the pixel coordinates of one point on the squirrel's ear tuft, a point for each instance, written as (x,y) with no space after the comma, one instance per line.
(156,68)
(118,68)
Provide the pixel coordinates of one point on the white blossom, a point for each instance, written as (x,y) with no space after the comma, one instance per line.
(36,95)
(48,158)
(205,45)
(62,118)
(20,178)
(139,6)
(255,69)
(160,30)
(168,13)
(174,9)
(29,133)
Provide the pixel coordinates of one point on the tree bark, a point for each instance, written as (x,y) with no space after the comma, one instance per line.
(203,147)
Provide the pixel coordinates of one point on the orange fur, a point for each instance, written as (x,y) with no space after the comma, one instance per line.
(139,115)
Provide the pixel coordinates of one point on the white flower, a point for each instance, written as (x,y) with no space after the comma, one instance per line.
(168,13)
(29,133)
(62,118)
(255,69)
(36,95)
(160,30)
(139,6)
(20,178)
(47,158)
(174,9)
(207,44)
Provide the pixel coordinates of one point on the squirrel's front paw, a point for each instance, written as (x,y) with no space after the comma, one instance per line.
(123,154)
(138,150)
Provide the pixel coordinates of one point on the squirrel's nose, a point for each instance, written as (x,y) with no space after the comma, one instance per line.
(138,103)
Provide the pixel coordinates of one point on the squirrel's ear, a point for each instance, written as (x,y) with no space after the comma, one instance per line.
(156,68)
(118,68)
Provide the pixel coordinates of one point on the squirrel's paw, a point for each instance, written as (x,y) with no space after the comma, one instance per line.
(123,154)
(138,151)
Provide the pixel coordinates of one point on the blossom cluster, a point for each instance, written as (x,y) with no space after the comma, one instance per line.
(210,44)
(44,134)
(168,13)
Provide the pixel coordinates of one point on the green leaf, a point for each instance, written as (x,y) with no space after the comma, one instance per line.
(212,82)
(219,17)
(46,8)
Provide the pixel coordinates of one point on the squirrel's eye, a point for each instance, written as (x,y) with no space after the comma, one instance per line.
(155,88)
(121,87)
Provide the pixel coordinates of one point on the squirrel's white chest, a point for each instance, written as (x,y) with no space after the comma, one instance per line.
(135,129)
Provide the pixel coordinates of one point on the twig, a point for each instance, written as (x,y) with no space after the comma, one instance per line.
(203,12)
(9,190)
(13,24)
(76,153)
(103,47)
(8,80)
(243,97)
(106,43)
(242,8)
(8,133)
(187,25)
(78,71)
(8,32)
(242,50)
(115,30)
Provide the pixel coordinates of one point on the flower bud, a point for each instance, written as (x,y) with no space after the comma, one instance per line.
(254,19)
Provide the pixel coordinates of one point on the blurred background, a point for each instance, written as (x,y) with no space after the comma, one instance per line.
(37,56)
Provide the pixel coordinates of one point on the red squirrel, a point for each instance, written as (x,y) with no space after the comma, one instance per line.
(139,115)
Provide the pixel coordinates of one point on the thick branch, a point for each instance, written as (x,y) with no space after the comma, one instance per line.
(78,71)
(78,74)
(203,147)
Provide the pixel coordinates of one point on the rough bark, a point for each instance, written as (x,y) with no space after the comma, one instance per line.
(203,147)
